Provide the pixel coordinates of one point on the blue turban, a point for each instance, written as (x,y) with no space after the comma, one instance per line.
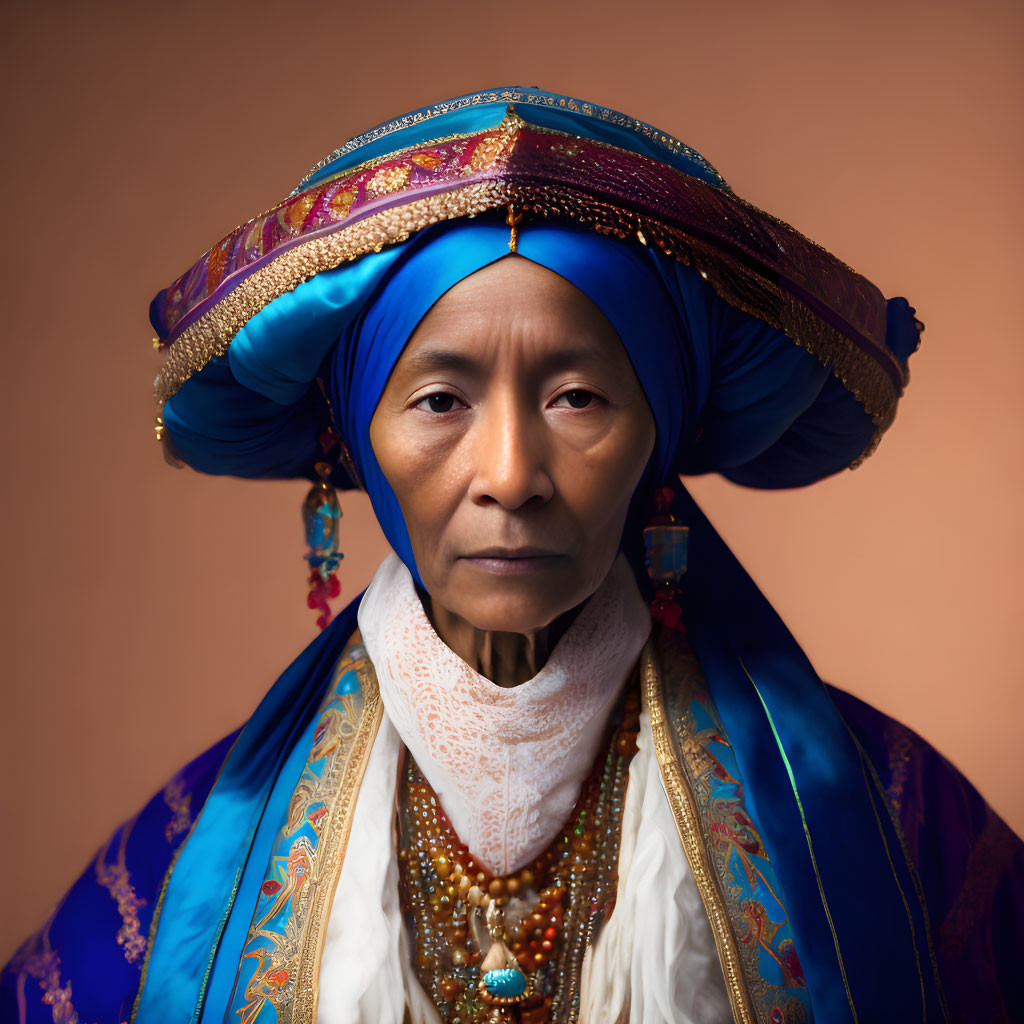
(723,386)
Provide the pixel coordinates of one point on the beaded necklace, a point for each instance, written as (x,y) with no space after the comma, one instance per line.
(510,949)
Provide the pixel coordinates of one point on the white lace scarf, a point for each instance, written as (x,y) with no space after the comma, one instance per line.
(655,960)
(507,763)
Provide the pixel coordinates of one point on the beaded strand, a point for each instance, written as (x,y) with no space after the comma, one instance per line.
(544,916)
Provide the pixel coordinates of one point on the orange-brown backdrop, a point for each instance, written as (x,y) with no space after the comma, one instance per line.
(147,610)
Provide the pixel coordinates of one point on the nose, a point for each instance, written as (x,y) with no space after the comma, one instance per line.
(510,454)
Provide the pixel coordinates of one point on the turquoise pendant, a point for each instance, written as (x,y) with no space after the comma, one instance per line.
(506,983)
(666,549)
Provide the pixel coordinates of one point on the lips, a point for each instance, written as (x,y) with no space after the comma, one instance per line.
(514,554)
(523,561)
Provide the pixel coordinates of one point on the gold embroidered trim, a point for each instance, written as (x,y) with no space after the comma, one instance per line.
(37,959)
(117,881)
(331,849)
(180,804)
(668,142)
(509,124)
(348,172)
(688,823)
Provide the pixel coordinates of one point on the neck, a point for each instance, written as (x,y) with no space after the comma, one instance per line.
(506,659)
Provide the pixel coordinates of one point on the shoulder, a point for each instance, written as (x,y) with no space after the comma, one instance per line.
(969,864)
(86,962)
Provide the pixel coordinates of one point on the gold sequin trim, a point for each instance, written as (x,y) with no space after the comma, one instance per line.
(386,181)
(684,809)
(665,141)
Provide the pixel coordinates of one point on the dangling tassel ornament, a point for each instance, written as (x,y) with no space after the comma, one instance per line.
(665,545)
(503,985)
(513,219)
(321,515)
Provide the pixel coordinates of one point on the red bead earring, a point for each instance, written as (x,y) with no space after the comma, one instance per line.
(665,546)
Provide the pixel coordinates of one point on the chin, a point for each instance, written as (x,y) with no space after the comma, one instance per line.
(514,610)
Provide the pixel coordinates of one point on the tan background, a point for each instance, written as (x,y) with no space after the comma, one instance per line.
(147,610)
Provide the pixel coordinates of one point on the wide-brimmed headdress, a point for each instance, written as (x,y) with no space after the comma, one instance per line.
(250,329)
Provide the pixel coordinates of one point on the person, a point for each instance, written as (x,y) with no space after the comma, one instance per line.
(561,761)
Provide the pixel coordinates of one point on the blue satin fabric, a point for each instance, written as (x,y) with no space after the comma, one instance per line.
(269,428)
(210,895)
(860,928)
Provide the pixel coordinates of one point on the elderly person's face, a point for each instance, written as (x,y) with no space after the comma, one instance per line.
(513,431)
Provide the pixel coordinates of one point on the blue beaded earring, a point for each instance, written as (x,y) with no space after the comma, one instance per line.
(321,515)
(665,546)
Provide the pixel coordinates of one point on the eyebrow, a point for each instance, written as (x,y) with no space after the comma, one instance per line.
(578,350)
(429,359)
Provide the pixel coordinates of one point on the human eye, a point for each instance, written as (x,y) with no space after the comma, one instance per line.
(575,398)
(437,402)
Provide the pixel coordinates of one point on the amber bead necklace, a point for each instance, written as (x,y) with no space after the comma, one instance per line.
(502,949)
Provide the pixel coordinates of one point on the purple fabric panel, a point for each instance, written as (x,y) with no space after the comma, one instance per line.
(86,961)
(969,861)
